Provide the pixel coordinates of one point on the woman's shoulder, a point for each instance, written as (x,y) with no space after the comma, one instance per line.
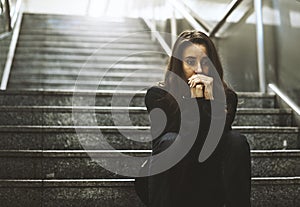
(156,95)
(156,91)
(231,94)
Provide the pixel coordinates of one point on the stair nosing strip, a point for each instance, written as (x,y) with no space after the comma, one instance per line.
(72,92)
(81,129)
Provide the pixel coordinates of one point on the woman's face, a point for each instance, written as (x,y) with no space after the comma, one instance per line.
(195,60)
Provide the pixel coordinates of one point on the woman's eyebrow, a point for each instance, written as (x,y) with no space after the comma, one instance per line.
(190,57)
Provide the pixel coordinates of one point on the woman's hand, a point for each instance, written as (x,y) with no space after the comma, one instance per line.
(206,81)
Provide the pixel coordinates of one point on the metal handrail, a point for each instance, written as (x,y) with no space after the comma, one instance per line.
(16,13)
(4,35)
(11,18)
(203,24)
(187,16)
(196,24)
(291,104)
(212,31)
(13,43)
(159,38)
(231,7)
(156,35)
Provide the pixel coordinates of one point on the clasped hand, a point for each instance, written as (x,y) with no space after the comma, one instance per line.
(204,80)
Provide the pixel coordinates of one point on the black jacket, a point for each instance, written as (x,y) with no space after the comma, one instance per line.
(190,183)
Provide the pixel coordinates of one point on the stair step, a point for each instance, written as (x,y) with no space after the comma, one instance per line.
(104,97)
(129,58)
(65,97)
(60,38)
(256,99)
(77,164)
(80,19)
(122,137)
(60,17)
(267,192)
(264,137)
(141,34)
(63,65)
(275,163)
(138,116)
(88,193)
(275,191)
(66,24)
(84,84)
(64,137)
(92,77)
(71,73)
(145,47)
(82,27)
(263,117)
(84,79)
(81,51)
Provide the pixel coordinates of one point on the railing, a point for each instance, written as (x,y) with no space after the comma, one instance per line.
(11,16)
(14,19)
(284,101)
(231,7)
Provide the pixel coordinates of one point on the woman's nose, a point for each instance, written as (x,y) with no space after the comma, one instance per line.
(198,69)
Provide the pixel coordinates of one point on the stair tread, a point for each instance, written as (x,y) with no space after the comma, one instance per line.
(141,109)
(120,182)
(73,51)
(39,37)
(76,17)
(40,128)
(144,47)
(115,153)
(107,92)
(78,83)
(21,74)
(106,66)
(140,34)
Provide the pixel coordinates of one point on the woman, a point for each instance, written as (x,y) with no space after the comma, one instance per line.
(195,75)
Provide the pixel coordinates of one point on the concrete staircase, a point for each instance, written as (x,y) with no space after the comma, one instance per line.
(43,161)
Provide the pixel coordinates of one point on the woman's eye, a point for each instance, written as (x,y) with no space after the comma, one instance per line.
(204,62)
(191,62)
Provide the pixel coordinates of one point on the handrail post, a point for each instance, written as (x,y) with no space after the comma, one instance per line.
(173,28)
(260,45)
(7,6)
